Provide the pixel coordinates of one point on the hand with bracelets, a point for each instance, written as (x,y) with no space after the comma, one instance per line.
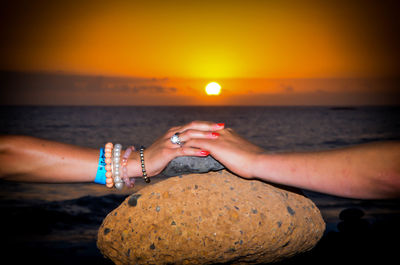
(151,161)
(166,148)
(29,159)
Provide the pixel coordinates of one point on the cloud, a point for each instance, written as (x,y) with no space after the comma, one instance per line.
(287,88)
(59,82)
(125,85)
(135,89)
(153,89)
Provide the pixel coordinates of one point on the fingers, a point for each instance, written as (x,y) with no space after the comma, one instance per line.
(203,126)
(202,144)
(195,130)
(189,151)
(197,134)
(162,151)
(197,125)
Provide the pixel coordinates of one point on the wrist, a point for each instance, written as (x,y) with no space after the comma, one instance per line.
(260,165)
(134,165)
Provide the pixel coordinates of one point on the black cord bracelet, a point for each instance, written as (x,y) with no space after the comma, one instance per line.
(145,177)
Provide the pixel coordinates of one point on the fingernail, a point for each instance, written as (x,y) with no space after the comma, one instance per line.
(221,124)
(204,153)
(214,134)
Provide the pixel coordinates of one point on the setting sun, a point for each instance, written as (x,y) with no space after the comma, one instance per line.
(213,88)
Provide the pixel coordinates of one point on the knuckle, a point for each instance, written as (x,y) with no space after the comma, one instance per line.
(190,133)
(183,136)
(189,142)
(181,151)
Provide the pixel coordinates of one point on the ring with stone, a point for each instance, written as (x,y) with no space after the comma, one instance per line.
(175,139)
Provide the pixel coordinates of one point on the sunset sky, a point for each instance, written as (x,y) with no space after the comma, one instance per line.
(165,52)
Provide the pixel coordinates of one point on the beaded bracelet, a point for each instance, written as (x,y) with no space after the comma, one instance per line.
(108,167)
(116,166)
(110,164)
(124,163)
(146,178)
(101,171)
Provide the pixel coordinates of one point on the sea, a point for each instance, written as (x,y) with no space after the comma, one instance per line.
(57,223)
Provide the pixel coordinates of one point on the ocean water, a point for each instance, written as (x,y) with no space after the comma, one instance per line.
(57,223)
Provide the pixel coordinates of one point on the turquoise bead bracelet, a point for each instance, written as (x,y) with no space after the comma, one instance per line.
(101,170)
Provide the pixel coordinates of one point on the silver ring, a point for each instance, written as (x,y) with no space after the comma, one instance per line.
(175,139)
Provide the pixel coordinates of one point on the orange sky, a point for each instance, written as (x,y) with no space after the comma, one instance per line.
(204,41)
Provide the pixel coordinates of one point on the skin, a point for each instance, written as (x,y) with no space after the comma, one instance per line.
(367,171)
(29,159)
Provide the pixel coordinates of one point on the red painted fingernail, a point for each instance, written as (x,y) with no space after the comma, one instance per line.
(214,134)
(221,124)
(204,153)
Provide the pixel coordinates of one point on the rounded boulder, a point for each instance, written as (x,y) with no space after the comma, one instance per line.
(210,218)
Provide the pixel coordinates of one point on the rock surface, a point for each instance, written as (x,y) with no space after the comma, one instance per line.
(210,218)
(191,164)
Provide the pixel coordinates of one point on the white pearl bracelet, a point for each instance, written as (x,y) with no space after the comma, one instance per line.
(118,182)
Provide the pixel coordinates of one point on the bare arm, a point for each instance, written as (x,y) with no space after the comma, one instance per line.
(369,171)
(24,158)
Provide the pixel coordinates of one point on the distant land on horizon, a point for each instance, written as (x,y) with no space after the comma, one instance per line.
(64,89)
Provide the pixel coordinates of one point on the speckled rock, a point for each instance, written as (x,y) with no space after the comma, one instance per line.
(191,164)
(210,218)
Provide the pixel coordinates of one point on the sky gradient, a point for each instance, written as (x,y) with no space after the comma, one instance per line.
(165,52)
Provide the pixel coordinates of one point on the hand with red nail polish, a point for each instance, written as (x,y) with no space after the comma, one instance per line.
(234,152)
(163,150)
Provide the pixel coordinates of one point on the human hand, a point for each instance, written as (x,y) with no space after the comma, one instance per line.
(162,151)
(234,152)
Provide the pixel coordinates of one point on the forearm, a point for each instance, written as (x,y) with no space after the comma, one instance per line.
(31,159)
(366,171)
(36,160)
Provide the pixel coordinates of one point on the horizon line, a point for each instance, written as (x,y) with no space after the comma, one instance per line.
(205,106)
(70,73)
